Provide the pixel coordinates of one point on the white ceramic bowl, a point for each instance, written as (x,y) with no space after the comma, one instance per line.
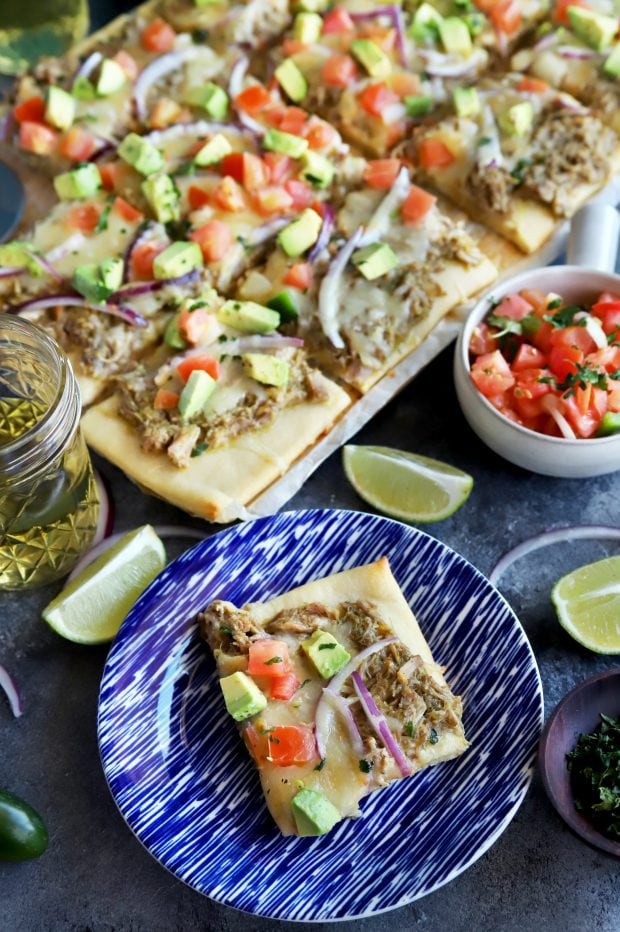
(550,456)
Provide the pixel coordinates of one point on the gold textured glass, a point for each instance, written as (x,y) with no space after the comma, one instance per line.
(48,496)
(32,28)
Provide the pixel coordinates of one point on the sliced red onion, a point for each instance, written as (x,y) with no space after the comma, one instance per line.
(156,284)
(73,244)
(502,42)
(197,128)
(321,727)
(162,530)
(237,74)
(545,42)
(382,217)
(267,231)
(570,103)
(324,234)
(380,726)
(337,682)
(395,14)
(105,519)
(47,267)
(7,683)
(594,328)
(329,292)
(70,300)
(156,70)
(105,147)
(558,535)
(142,233)
(578,51)
(88,66)
(11,272)
(551,404)
(447,66)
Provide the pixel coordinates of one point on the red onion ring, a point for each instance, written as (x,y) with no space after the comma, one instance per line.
(329,290)
(7,683)
(379,725)
(324,234)
(122,311)
(554,536)
(11,272)
(395,14)
(267,230)
(339,704)
(156,284)
(88,65)
(545,42)
(142,233)
(157,69)
(578,52)
(46,265)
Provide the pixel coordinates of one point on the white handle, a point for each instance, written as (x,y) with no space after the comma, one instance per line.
(593,240)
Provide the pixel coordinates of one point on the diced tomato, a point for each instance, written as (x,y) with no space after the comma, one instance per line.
(255,172)
(84,217)
(197,197)
(607,359)
(274,115)
(529,384)
(506,16)
(142,259)
(214,238)
(36,138)
(293,121)
(284,687)
(527,408)
(77,144)
(128,64)
(528,357)
(127,211)
(416,205)
(292,47)
(165,400)
(585,409)
(532,85)
(376,97)
(320,135)
(268,657)
(560,13)
(300,192)
(278,165)
(253,99)
(283,745)
(513,306)
(563,360)
(608,297)
(608,313)
(491,374)
(31,110)
(196,363)
(537,298)
(337,20)
(433,153)
(404,84)
(229,195)
(299,276)
(232,164)
(158,36)
(613,395)
(394,133)
(272,199)
(318,207)
(381,173)
(573,336)
(109,172)
(339,71)
(482,340)
(164,113)
(542,337)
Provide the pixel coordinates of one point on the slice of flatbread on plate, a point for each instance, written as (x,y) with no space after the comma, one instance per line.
(335,692)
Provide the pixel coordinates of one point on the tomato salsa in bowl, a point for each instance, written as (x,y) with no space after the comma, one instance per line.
(537,371)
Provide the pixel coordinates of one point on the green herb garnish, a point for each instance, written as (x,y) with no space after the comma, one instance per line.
(225,630)
(199,449)
(365,765)
(433,737)
(322,764)
(565,316)
(582,377)
(273,660)
(594,768)
(408,730)
(102,223)
(505,325)
(518,172)
(326,646)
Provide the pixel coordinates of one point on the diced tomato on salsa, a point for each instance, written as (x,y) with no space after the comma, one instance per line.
(268,657)
(214,238)
(381,173)
(37,138)
(284,687)
(84,217)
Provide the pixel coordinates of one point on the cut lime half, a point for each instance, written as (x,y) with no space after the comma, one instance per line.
(587,603)
(405,485)
(92,607)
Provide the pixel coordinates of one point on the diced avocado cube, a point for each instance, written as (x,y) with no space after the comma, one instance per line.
(242,696)
(427,15)
(111,271)
(213,151)
(325,652)
(371,57)
(610,424)
(284,304)
(596,29)
(455,36)
(517,120)
(307,27)
(86,279)
(211,97)
(177,259)
(203,3)
(196,392)
(466,101)
(611,66)
(374,260)
(475,22)
(313,6)
(269,370)
(301,234)
(14,256)
(111,78)
(59,108)
(291,80)
(314,814)
(79,183)
(248,317)
(83,89)
(141,154)
(419,106)
(317,169)
(172,335)
(163,196)
(286,143)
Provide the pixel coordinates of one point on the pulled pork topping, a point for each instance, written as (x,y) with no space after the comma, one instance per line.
(106,345)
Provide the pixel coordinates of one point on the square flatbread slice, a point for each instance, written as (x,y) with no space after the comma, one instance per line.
(363,612)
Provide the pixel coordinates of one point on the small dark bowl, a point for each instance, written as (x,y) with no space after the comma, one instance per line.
(576,714)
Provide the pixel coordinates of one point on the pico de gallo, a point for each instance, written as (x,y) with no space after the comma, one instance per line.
(551,365)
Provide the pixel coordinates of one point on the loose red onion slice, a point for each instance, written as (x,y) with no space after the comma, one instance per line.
(551,404)
(88,65)
(11,272)
(162,530)
(324,235)
(329,292)
(122,311)
(7,683)
(267,231)
(156,70)
(558,535)
(380,726)
(545,42)
(395,14)
(578,52)
(332,701)
(446,66)
(237,74)
(72,244)
(105,520)
(594,328)
(142,233)
(46,265)
(570,103)
(132,291)
(382,216)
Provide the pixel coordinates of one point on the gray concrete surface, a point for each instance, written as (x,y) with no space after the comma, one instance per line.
(96,876)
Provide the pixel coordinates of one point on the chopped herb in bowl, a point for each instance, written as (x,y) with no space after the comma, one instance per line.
(594,768)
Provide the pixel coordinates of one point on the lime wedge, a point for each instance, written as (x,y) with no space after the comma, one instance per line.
(91,608)
(587,603)
(405,485)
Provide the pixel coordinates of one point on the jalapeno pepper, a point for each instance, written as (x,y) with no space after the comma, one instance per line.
(23,834)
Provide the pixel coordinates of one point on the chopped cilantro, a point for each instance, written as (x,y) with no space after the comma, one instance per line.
(408,729)
(433,737)
(484,140)
(565,316)
(505,325)
(266,731)
(200,36)
(326,646)
(615,375)
(555,304)
(518,172)
(102,223)
(185,168)
(546,379)
(365,765)
(582,377)
(594,766)
(305,683)
(199,449)
(177,229)
(322,764)
(225,630)
(269,662)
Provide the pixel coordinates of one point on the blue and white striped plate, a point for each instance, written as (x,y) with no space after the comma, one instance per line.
(187,788)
